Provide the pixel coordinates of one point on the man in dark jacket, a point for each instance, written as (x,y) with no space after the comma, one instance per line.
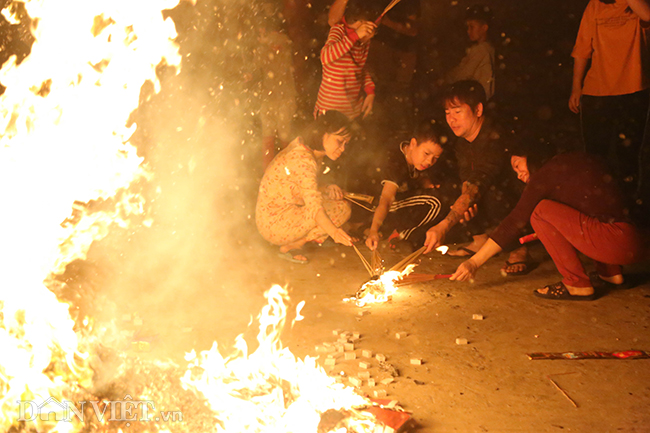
(481,151)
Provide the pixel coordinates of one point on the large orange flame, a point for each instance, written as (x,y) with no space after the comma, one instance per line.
(64,140)
(271,390)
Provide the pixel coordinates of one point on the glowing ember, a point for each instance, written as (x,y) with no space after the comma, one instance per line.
(271,390)
(443,249)
(380,289)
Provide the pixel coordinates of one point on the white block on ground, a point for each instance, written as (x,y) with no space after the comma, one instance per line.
(356,381)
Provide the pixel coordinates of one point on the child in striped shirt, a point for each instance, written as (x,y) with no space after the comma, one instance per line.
(346,85)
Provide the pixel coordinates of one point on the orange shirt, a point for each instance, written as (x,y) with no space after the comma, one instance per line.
(615,40)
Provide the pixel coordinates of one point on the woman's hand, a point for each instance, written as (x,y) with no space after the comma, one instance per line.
(465,271)
(372,241)
(341,237)
(334,192)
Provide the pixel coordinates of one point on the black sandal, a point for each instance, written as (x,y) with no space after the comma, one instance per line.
(559,292)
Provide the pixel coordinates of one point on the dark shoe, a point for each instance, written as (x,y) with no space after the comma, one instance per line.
(559,292)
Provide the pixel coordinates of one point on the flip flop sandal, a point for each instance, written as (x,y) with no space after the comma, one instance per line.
(559,292)
(290,258)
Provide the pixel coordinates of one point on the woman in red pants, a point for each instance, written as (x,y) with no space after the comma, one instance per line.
(574,205)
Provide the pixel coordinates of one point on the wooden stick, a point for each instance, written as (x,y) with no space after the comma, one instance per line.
(376,262)
(363,260)
(563,392)
(390,6)
(400,266)
(420,278)
(361,202)
(360,197)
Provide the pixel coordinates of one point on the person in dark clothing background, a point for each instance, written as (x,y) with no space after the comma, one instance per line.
(481,152)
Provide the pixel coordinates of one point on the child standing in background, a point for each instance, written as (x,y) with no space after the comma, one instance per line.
(478,63)
(346,85)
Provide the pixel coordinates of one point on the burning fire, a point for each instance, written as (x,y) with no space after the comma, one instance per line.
(380,289)
(271,390)
(65,144)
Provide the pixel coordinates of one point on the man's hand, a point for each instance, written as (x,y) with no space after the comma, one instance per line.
(341,237)
(574,100)
(372,241)
(465,271)
(435,237)
(334,192)
(469,214)
(366,108)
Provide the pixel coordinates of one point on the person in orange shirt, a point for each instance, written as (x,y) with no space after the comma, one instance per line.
(610,83)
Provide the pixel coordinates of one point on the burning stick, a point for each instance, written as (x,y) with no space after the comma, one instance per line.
(400,266)
(419,278)
(363,260)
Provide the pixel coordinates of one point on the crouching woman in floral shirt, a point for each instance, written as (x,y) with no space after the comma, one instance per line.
(291,209)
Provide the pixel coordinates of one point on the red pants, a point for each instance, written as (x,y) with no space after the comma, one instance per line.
(564,231)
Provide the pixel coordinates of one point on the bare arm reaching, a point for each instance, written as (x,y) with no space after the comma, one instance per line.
(385,201)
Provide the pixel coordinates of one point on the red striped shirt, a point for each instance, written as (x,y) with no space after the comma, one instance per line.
(344,73)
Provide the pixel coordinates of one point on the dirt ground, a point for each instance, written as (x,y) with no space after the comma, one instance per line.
(487,385)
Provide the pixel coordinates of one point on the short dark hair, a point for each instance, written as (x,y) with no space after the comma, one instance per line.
(362,10)
(537,151)
(428,130)
(480,13)
(469,92)
(330,122)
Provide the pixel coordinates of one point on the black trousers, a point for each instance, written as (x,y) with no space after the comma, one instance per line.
(613,128)
(414,212)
